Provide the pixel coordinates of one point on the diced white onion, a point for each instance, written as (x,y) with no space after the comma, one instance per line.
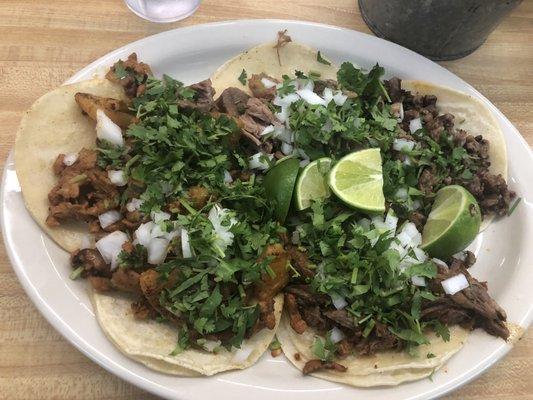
(402,251)
(336,335)
(268,129)
(134,205)
(439,262)
(327,94)
(117,177)
(455,284)
(157,232)
(257,161)
(70,159)
(110,247)
(407,261)
(159,216)
(339,98)
(186,250)
(407,161)
(391,221)
(268,83)
(211,345)
(173,234)
(416,205)
(401,194)
(227,177)
(109,218)
(157,250)
(410,229)
(460,256)
(108,130)
(283,134)
(286,148)
(415,124)
(404,239)
(221,228)
(338,302)
(143,234)
(283,115)
(420,254)
(311,97)
(286,100)
(403,144)
(242,354)
(418,281)
(365,223)
(295,237)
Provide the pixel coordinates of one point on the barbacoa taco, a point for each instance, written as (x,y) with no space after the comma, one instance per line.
(198,212)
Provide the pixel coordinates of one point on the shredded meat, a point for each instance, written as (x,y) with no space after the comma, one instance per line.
(418,219)
(232,101)
(258,88)
(134,82)
(342,318)
(151,286)
(471,307)
(255,119)
(296,321)
(380,339)
(283,39)
(321,84)
(269,286)
(299,262)
(203,99)
(316,365)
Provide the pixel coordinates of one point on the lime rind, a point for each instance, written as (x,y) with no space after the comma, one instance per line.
(312,183)
(357,180)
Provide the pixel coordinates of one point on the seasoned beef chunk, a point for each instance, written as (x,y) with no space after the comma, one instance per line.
(126,280)
(380,339)
(203,99)
(342,318)
(142,310)
(131,75)
(321,84)
(269,286)
(255,119)
(92,262)
(82,192)
(296,321)
(491,192)
(100,284)
(394,89)
(300,262)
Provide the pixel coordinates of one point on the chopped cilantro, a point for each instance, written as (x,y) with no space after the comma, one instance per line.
(513,207)
(243,77)
(322,60)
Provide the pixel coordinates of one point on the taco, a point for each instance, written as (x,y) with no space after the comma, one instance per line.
(166,213)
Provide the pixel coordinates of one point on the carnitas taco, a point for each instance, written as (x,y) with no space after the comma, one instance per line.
(197,212)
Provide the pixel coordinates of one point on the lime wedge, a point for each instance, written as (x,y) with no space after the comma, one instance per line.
(453,222)
(312,183)
(357,180)
(279,185)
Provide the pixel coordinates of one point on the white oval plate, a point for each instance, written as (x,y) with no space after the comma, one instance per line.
(191,54)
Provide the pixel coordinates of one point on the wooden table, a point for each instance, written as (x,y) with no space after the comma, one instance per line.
(43,42)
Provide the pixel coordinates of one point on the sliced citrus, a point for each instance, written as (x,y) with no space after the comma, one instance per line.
(312,183)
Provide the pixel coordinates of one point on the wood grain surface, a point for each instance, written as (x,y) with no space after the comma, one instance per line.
(43,42)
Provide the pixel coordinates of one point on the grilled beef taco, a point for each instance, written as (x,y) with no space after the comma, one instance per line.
(157,190)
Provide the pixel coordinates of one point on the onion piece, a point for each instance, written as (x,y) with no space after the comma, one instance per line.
(339,98)
(268,129)
(109,218)
(440,262)
(286,148)
(415,125)
(455,284)
(242,354)
(327,94)
(134,205)
(336,335)
(311,97)
(117,177)
(159,216)
(267,83)
(397,111)
(157,250)
(143,234)
(391,221)
(286,100)
(295,237)
(257,161)
(420,254)
(108,130)
(227,177)
(186,250)
(403,145)
(418,280)
(211,345)
(110,247)
(338,302)
(283,134)
(70,159)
